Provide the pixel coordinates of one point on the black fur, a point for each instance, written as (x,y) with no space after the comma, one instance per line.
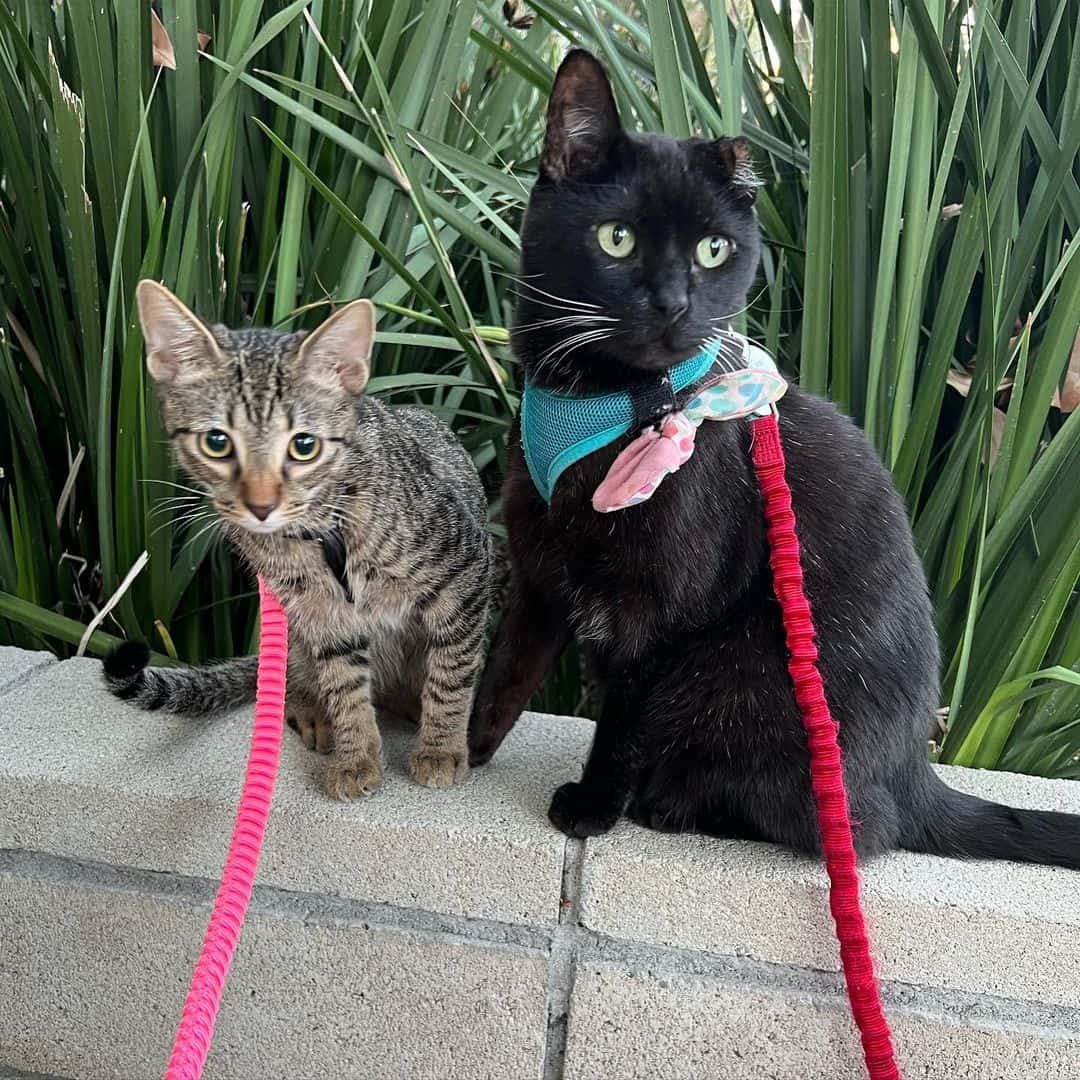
(126,662)
(126,675)
(700,730)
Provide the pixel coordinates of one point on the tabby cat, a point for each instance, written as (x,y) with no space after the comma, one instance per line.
(635,249)
(369,523)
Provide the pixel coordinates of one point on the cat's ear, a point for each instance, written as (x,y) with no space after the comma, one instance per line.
(582,121)
(737,166)
(336,356)
(179,347)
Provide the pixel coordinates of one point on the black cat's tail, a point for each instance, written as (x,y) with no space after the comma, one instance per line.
(187,691)
(943,821)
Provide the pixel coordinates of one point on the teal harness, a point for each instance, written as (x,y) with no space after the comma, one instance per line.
(558,430)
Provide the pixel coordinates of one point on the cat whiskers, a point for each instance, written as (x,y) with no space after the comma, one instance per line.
(173,484)
(215,522)
(196,516)
(746,307)
(174,504)
(729,351)
(562,303)
(563,321)
(563,349)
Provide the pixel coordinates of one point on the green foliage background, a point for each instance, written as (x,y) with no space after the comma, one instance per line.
(920,212)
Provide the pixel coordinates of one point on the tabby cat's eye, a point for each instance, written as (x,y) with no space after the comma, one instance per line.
(713,251)
(304,447)
(616,239)
(215,444)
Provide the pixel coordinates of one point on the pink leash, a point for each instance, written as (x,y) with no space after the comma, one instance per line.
(207,984)
(826,771)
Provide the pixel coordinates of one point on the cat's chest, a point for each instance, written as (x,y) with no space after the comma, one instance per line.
(319,596)
(634,576)
(631,576)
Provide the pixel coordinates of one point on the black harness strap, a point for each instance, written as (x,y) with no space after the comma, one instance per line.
(655,398)
(652,400)
(334,553)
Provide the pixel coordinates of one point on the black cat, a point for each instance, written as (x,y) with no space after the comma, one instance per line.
(635,247)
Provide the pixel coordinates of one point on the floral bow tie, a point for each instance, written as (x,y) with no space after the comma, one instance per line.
(751,389)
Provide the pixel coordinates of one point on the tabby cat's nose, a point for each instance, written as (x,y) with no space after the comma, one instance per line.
(261,510)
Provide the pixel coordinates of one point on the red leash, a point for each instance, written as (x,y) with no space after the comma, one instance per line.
(826,774)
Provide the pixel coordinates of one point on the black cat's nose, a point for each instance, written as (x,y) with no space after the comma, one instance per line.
(671,305)
(261,510)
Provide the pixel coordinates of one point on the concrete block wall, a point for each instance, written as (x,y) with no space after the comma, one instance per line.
(455,934)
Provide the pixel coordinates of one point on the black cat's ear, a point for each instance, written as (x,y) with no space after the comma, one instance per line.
(737,166)
(179,346)
(336,356)
(582,121)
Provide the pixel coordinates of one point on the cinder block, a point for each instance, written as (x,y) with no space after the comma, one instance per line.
(988,927)
(92,983)
(673,1027)
(17,664)
(89,777)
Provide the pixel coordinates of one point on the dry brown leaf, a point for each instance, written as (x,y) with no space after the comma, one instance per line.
(960,381)
(996,433)
(164,56)
(1069,398)
(163,50)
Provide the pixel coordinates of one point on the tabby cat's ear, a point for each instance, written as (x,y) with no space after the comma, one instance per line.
(335,356)
(179,347)
(582,121)
(738,166)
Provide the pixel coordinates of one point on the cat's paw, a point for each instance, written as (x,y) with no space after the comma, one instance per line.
(353,780)
(312,725)
(483,742)
(485,736)
(575,811)
(662,817)
(481,752)
(438,768)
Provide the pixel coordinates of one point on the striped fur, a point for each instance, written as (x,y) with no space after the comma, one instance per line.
(188,691)
(408,503)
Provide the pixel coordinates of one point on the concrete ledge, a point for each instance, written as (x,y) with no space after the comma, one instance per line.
(683,1028)
(86,776)
(306,997)
(766,903)
(17,665)
(456,934)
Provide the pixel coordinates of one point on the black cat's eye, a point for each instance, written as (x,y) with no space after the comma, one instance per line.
(216,444)
(305,447)
(616,239)
(713,251)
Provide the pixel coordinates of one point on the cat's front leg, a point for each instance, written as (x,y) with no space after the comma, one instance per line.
(593,804)
(344,676)
(531,635)
(441,757)
(304,711)
(454,627)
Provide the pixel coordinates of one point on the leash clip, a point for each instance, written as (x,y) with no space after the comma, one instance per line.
(652,401)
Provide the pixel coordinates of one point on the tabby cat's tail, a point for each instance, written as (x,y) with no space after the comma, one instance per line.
(944,821)
(188,691)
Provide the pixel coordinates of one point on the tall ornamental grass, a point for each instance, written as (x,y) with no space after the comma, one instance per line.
(268,159)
